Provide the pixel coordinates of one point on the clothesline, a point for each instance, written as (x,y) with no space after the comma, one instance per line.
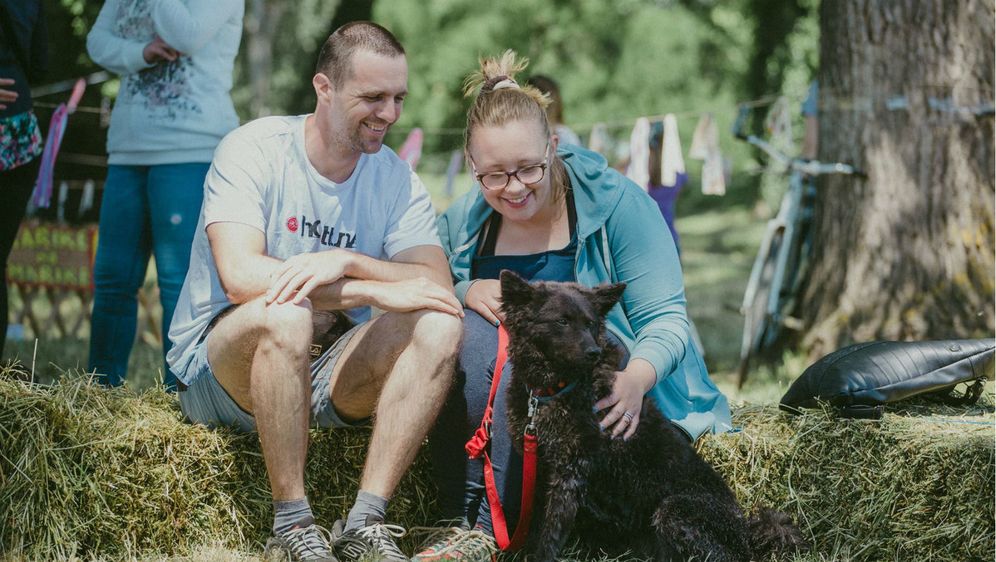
(67,85)
(79,109)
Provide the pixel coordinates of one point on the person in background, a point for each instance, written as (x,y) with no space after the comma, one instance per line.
(552,213)
(23,60)
(665,195)
(555,111)
(173,107)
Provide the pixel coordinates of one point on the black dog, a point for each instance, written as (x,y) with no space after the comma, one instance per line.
(651,494)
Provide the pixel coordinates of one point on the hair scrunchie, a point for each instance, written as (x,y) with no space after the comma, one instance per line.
(497,83)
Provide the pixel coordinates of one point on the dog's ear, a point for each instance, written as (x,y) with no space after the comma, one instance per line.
(515,291)
(604,297)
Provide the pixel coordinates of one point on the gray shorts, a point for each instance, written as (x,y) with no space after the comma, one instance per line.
(206,402)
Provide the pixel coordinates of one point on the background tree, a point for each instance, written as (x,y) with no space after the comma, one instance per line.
(907,254)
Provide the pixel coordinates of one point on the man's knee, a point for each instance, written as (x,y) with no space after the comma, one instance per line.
(439,331)
(287,325)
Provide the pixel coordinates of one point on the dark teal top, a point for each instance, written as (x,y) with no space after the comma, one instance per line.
(552,265)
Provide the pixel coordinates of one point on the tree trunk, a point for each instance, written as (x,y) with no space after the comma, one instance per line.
(261,23)
(908,253)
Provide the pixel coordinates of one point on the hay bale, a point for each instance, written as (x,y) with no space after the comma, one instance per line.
(86,471)
(907,487)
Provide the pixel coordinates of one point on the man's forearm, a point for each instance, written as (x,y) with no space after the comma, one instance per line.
(367,268)
(250,278)
(343,294)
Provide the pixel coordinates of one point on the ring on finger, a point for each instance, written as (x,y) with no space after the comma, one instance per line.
(628,416)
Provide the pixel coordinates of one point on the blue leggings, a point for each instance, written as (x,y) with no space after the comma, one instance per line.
(461,481)
(145,210)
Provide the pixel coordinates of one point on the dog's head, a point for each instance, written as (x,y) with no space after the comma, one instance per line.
(561,323)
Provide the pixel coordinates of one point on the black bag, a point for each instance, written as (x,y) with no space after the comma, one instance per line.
(860,379)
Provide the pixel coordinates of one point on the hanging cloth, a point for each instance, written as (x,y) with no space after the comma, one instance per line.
(672,162)
(713,176)
(598,139)
(411,150)
(705,138)
(778,124)
(456,163)
(639,153)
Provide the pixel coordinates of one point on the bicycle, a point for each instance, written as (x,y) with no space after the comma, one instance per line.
(781,258)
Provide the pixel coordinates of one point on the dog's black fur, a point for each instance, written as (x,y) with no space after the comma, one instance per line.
(651,494)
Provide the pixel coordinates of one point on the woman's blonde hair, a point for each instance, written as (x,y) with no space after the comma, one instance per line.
(500,100)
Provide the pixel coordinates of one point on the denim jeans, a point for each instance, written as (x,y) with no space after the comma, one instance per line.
(460,480)
(145,210)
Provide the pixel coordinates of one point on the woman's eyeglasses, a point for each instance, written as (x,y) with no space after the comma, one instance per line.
(527,175)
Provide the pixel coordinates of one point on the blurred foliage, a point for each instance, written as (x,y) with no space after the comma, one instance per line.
(615,61)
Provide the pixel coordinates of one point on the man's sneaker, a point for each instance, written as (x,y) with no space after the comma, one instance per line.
(374,541)
(309,544)
(456,543)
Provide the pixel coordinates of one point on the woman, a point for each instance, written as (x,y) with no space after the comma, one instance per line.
(23,58)
(561,215)
(175,58)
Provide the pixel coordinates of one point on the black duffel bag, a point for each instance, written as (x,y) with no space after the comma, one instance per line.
(860,379)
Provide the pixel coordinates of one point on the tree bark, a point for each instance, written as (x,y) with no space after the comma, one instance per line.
(261,23)
(909,252)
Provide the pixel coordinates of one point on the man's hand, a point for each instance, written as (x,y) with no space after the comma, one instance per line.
(484,297)
(302,273)
(158,51)
(415,294)
(7,96)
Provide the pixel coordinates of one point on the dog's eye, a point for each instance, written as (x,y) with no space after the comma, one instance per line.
(562,321)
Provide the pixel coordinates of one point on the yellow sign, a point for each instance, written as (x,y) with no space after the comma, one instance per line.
(54,256)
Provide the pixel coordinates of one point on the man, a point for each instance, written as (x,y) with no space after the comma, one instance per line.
(304,215)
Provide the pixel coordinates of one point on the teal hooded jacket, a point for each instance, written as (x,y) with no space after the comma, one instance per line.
(622,237)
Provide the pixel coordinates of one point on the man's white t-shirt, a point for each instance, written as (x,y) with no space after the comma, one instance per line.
(261,177)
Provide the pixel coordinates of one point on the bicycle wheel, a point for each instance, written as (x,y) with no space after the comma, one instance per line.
(757,322)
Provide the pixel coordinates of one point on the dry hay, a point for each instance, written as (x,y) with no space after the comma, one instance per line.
(916,485)
(85,471)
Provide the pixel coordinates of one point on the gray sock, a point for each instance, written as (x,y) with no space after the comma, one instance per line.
(367,509)
(288,514)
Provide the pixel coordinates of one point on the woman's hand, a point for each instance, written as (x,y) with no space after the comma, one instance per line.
(626,400)
(7,96)
(484,297)
(158,50)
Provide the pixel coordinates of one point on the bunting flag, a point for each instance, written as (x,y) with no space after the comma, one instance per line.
(639,153)
(672,162)
(411,150)
(705,138)
(42,194)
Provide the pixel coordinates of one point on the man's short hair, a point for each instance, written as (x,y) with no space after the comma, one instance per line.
(336,55)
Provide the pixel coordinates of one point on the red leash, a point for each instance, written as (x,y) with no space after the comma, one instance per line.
(478,445)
